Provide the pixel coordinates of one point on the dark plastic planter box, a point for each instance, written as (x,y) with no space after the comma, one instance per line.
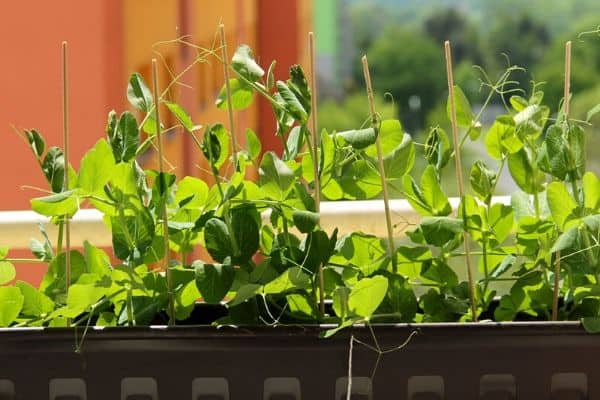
(443,361)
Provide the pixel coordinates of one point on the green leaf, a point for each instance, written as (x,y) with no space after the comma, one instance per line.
(244,293)
(501,138)
(299,304)
(591,191)
(367,295)
(218,242)
(193,191)
(305,221)
(361,180)
(440,230)
(464,115)
(53,167)
(64,203)
(295,141)
(292,104)
(3,252)
(242,95)
(213,280)
(560,202)
(254,145)
(7,272)
(54,281)
(96,260)
(35,303)
(518,103)
(437,148)
(36,142)
(557,150)
(299,85)
(358,138)
(83,296)
(591,324)
(185,299)
(244,64)
(429,199)
(501,221)
(276,178)
(132,235)
(138,93)
(400,160)
(11,303)
(521,169)
(96,168)
(592,112)
(566,240)
(365,252)
(482,180)
(245,224)
(215,145)
(291,279)
(504,266)
(182,116)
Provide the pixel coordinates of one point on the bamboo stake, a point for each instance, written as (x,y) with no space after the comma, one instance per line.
(155,94)
(65,115)
(566,101)
(386,197)
(459,177)
(315,151)
(228,93)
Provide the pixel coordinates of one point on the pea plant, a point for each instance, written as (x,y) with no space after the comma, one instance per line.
(269,260)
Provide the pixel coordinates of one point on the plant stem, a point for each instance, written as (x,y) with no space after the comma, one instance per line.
(567,90)
(164,201)
(386,197)
(459,178)
(228,93)
(315,152)
(24,260)
(65,114)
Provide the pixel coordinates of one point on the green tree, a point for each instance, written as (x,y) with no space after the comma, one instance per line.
(451,24)
(352,112)
(410,66)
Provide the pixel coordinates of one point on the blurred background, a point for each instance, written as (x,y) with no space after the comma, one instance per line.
(110,39)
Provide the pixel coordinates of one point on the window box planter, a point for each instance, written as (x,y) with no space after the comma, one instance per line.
(534,360)
(90,330)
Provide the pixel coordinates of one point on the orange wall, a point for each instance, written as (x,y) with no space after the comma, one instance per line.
(30,78)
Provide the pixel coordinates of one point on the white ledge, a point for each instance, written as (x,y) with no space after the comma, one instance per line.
(18,227)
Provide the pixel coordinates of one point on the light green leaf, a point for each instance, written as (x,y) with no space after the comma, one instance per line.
(401,159)
(215,145)
(242,95)
(521,169)
(591,191)
(138,93)
(96,260)
(11,303)
(194,188)
(367,295)
(560,202)
(254,145)
(291,279)
(182,116)
(3,252)
(464,115)
(440,230)
(358,138)
(482,180)
(244,64)
(276,178)
(81,297)
(96,168)
(300,304)
(566,240)
(63,203)
(365,252)
(35,303)
(7,272)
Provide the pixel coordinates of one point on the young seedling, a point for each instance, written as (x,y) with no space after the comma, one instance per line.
(566,98)
(155,94)
(228,92)
(315,151)
(459,177)
(386,197)
(65,115)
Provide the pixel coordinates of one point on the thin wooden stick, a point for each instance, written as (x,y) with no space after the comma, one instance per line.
(234,144)
(386,197)
(566,100)
(315,151)
(65,115)
(155,93)
(459,177)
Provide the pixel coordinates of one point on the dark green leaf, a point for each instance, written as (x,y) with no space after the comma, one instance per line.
(359,138)
(440,230)
(213,280)
(218,242)
(54,168)
(36,142)
(305,221)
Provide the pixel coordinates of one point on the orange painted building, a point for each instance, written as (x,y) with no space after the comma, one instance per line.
(110,39)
